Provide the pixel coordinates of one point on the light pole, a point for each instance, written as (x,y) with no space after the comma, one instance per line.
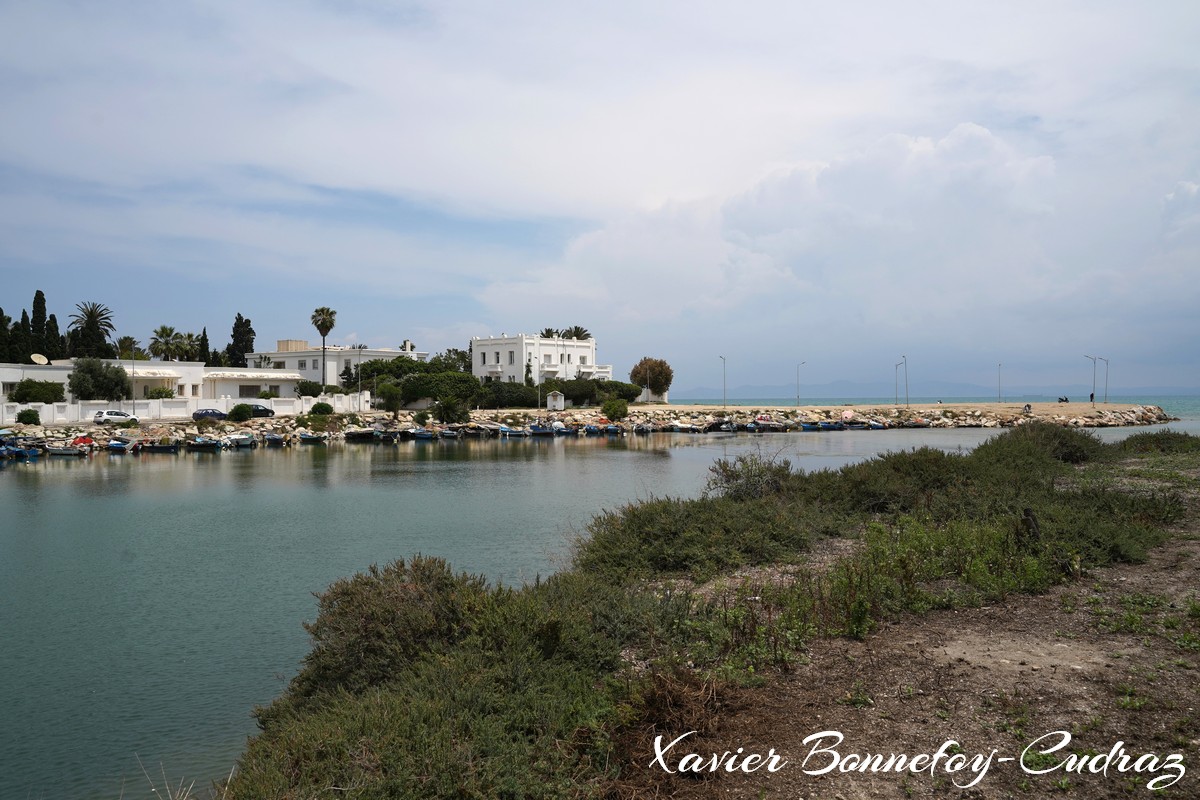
(999,392)
(1093,358)
(897,377)
(724,399)
(1105,360)
(905,380)
(798,366)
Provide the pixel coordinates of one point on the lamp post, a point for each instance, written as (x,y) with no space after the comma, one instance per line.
(897,377)
(798,366)
(999,391)
(1093,358)
(724,398)
(905,380)
(1105,360)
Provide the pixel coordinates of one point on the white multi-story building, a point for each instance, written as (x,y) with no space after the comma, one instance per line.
(297,355)
(511,358)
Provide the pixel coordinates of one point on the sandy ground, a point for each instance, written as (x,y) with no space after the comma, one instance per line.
(1039,410)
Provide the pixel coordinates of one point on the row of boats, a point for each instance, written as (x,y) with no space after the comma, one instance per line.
(25,448)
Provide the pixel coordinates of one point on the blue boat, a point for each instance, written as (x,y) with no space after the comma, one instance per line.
(537,429)
(423,434)
(832,426)
(274,440)
(204,444)
(312,438)
(508,432)
(809,426)
(612,429)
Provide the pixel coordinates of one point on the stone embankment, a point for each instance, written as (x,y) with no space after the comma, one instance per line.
(993,415)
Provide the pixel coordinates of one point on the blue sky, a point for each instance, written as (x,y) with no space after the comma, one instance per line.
(775,182)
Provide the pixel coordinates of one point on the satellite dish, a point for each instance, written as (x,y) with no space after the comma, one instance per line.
(38,358)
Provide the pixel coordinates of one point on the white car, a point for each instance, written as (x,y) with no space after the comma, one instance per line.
(113,417)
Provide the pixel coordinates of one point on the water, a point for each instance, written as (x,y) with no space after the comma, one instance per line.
(147,604)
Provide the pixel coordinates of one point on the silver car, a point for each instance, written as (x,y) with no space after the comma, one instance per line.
(111,417)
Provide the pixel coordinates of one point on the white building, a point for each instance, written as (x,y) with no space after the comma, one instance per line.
(297,355)
(505,358)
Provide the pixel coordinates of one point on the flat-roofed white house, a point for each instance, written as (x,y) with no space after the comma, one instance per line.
(505,358)
(297,355)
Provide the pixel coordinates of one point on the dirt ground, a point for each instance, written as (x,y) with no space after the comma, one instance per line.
(1113,659)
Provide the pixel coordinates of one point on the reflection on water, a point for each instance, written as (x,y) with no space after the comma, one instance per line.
(149,602)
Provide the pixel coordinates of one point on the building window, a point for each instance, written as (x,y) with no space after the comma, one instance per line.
(195,390)
(497,357)
(303,364)
(346,364)
(512,378)
(274,390)
(512,357)
(568,358)
(246,390)
(483,357)
(546,358)
(277,365)
(583,360)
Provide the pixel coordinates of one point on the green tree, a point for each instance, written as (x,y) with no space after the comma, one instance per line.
(203,348)
(37,323)
(5,322)
(576,332)
(19,345)
(393,399)
(56,343)
(452,360)
(165,342)
(308,389)
(653,373)
(615,409)
(189,346)
(129,348)
(451,410)
(241,342)
(323,319)
(91,326)
(31,391)
(240,413)
(92,379)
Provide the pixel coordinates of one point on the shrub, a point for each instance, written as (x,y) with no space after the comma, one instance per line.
(240,413)
(265,395)
(747,477)
(421,418)
(451,410)
(615,408)
(308,388)
(160,393)
(29,417)
(31,391)
(321,409)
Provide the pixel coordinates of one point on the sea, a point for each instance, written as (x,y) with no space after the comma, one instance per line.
(149,603)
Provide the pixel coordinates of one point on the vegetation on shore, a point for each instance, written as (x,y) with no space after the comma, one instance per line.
(426,683)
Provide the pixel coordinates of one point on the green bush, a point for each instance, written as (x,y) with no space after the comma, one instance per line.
(503,394)
(308,388)
(321,409)
(29,417)
(240,413)
(266,395)
(451,411)
(615,409)
(749,476)
(160,393)
(31,391)
(440,386)
(421,418)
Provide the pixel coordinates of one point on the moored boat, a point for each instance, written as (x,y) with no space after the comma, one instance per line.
(204,444)
(311,438)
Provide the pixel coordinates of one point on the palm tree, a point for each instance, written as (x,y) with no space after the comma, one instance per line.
(576,332)
(165,342)
(128,347)
(188,343)
(548,333)
(91,327)
(323,320)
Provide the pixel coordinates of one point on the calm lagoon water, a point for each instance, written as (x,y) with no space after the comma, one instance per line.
(148,603)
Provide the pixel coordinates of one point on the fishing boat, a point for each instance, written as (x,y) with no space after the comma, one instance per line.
(613,429)
(509,432)
(592,430)
(65,450)
(361,435)
(720,426)
(121,445)
(241,440)
(387,437)
(829,425)
(274,440)
(537,429)
(810,426)
(204,444)
(163,445)
(423,434)
(877,426)
(311,438)
(448,433)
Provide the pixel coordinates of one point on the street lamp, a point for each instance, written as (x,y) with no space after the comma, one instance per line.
(724,399)
(905,380)
(1093,358)
(1105,360)
(999,393)
(798,366)
(897,377)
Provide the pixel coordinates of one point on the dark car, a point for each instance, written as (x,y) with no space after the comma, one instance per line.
(261,411)
(211,413)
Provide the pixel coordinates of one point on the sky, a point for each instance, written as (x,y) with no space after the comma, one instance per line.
(838,184)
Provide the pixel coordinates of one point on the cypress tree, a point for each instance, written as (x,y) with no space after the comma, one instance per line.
(56,343)
(203,351)
(18,340)
(4,323)
(38,323)
(242,342)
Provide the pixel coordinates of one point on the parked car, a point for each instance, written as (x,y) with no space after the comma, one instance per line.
(112,417)
(261,411)
(211,413)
